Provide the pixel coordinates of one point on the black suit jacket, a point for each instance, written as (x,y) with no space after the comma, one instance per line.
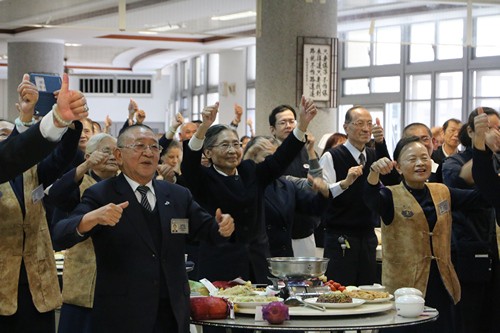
(128,265)
(18,153)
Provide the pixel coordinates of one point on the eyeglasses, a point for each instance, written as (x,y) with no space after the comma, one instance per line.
(226,145)
(142,147)
(107,150)
(290,122)
(362,124)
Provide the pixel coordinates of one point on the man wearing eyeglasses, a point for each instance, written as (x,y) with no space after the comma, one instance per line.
(282,122)
(139,227)
(350,240)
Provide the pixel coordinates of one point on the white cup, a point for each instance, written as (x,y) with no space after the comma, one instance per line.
(410,306)
(407,291)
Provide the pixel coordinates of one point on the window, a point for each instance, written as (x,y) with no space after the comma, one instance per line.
(485,89)
(357,48)
(385,84)
(387,46)
(213,69)
(450,39)
(185,75)
(199,71)
(487,41)
(418,105)
(422,42)
(356,87)
(448,96)
(251,65)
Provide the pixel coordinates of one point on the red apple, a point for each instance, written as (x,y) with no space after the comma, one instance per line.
(209,308)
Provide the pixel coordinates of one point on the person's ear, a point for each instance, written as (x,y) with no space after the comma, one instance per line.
(208,153)
(272,129)
(118,156)
(398,167)
(345,127)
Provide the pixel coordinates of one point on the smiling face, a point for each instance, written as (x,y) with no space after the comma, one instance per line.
(226,152)
(359,128)
(414,163)
(140,166)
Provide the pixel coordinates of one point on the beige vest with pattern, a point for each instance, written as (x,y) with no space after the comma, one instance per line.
(26,240)
(80,268)
(406,242)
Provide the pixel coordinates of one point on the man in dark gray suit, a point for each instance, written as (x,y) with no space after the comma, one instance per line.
(139,227)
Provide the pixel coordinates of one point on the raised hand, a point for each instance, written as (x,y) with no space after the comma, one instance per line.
(108,122)
(71,104)
(318,184)
(97,157)
(307,113)
(167,172)
(238,112)
(378,131)
(132,108)
(209,114)
(28,96)
(226,223)
(352,174)
(140,116)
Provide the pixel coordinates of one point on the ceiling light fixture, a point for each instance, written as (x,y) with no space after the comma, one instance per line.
(234,16)
(72,44)
(164,28)
(146,32)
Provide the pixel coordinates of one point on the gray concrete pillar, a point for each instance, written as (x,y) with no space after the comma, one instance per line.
(282,21)
(25,57)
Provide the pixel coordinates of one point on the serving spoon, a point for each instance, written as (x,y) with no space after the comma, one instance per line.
(297,300)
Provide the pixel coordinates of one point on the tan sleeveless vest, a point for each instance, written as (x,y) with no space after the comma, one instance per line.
(79,272)
(26,239)
(406,242)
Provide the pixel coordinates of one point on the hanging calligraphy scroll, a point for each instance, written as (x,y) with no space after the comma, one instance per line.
(317,70)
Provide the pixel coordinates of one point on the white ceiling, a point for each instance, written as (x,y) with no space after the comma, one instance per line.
(87,22)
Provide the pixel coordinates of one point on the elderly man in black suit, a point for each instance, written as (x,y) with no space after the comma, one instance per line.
(20,152)
(139,227)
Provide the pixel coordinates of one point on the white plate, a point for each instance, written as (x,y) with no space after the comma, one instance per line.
(355,302)
(380,300)
(308,312)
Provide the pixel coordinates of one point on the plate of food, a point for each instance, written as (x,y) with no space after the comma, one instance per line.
(335,301)
(253,301)
(371,296)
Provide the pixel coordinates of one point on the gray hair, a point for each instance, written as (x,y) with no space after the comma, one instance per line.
(95,140)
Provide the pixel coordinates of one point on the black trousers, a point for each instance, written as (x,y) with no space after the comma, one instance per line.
(355,266)
(27,319)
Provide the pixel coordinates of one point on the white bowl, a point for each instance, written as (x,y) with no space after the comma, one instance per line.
(410,306)
(407,291)
(372,287)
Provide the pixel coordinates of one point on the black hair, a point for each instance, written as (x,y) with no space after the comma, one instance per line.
(279,109)
(402,144)
(213,133)
(413,125)
(463,136)
(447,123)
(489,111)
(122,134)
(348,114)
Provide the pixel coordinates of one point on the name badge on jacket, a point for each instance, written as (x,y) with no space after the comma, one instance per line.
(444,207)
(37,194)
(179,226)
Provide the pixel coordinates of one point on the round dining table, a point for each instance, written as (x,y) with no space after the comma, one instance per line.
(323,321)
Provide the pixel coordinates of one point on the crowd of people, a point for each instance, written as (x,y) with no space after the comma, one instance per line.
(127,209)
